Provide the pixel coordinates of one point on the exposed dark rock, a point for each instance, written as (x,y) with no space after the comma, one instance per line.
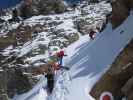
(3,88)
(93,1)
(128,89)
(41,7)
(120,11)
(26,11)
(2,21)
(18,83)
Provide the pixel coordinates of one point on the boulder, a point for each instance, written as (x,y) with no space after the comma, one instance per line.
(3,93)
(128,89)
(120,11)
(37,7)
(18,83)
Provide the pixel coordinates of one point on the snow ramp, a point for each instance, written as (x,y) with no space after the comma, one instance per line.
(95,57)
(100,53)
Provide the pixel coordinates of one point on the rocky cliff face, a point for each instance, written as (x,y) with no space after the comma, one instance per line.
(120,11)
(36,7)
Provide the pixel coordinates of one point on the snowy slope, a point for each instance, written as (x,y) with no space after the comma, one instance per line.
(96,56)
(66,23)
(88,60)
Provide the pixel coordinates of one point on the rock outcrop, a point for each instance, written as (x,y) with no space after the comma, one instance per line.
(120,11)
(37,7)
(3,88)
(127,89)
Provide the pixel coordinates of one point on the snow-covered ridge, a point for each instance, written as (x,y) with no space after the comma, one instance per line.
(59,29)
(87,60)
(64,24)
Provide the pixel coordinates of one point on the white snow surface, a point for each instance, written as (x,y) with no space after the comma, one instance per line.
(87,59)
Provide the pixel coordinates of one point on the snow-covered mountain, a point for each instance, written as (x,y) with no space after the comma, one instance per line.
(39,37)
(56,30)
(32,39)
(86,64)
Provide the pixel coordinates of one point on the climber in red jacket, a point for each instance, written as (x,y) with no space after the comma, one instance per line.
(60,56)
(58,65)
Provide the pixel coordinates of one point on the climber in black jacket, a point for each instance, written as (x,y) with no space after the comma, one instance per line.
(50,79)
